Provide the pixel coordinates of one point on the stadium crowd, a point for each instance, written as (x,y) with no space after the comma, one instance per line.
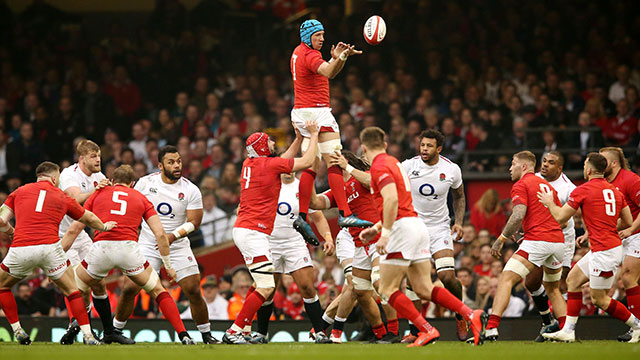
(492,84)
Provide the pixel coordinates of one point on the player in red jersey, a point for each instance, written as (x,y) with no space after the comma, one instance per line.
(259,192)
(542,244)
(119,249)
(604,212)
(39,207)
(404,244)
(311,76)
(628,182)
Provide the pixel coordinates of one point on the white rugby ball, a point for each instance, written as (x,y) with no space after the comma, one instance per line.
(374,30)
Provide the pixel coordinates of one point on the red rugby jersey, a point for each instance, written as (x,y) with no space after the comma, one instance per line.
(385,170)
(310,88)
(628,183)
(538,224)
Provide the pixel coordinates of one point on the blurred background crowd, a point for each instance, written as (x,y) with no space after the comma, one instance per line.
(494,77)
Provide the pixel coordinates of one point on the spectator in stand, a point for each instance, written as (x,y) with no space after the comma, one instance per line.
(482,292)
(618,130)
(294,306)
(484,267)
(139,142)
(241,282)
(27,304)
(616,90)
(466,278)
(26,154)
(587,139)
(453,145)
(217,305)
(124,92)
(487,213)
(330,266)
(215,221)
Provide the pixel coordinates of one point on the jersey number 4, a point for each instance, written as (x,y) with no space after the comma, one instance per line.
(246,175)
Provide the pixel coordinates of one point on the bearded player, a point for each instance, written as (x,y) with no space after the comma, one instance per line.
(311,76)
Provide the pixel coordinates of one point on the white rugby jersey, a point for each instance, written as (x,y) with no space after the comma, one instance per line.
(287,212)
(73,176)
(171,202)
(430,186)
(564,187)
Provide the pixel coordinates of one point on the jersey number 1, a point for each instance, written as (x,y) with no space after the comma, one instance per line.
(294,58)
(40,203)
(123,203)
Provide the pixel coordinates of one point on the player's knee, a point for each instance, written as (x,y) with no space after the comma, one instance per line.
(629,279)
(262,273)
(307,290)
(448,278)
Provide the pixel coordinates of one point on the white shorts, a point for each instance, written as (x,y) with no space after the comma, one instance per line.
(182,259)
(541,253)
(364,257)
(408,243)
(441,239)
(80,248)
(322,115)
(289,255)
(345,247)
(569,250)
(632,246)
(253,245)
(601,267)
(21,260)
(106,255)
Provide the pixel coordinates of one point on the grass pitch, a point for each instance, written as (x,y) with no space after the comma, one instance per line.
(518,350)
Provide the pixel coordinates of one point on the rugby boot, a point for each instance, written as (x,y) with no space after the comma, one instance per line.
(389,338)
(117,337)
(72,332)
(91,340)
(235,339)
(478,326)
(408,339)
(306,231)
(626,336)
(426,338)
(462,329)
(562,336)
(322,338)
(553,327)
(22,337)
(257,338)
(207,338)
(491,334)
(353,221)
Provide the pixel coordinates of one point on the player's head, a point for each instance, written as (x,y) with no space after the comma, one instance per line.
(522,163)
(595,165)
(124,175)
(259,144)
(89,156)
(48,171)
(312,34)
(372,140)
(170,162)
(355,161)
(552,164)
(430,144)
(615,159)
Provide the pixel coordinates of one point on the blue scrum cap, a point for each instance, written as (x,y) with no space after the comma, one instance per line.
(308,28)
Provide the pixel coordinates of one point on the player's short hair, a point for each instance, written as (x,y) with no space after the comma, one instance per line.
(123,174)
(597,161)
(558,155)
(433,134)
(169,149)
(526,156)
(47,168)
(85,147)
(355,161)
(372,137)
(622,160)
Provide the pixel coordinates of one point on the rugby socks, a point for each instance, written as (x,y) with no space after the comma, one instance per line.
(574,303)
(407,310)
(494,321)
(79,312)
(251,290)
(307,179)
(392,326)
(204,328)
(620,312)
(443,297)
(251,305)
(633,300)
(326,321)
(170,311)
(10,308)
(542,304)
(338,327)
(314,310)
(68,305)
(264,313)
(103,307)
(336,183)
(119,324)
(379,331)
(561,321)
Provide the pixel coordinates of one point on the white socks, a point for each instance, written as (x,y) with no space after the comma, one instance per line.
(204,328)
(119,324)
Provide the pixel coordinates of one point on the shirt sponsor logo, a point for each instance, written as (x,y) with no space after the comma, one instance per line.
(61,266)
(415,173)
(153,190)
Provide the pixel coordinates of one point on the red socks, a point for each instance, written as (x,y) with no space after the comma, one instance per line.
(494,321)
(306,190)
(250,291)
(574,303)
(251,305)
(77,307)
(380,331)
(392,326)
(336,183)
(443,297)
(618,311)
(561,321)
(407,310)
(170,311)
(66,302)
(633,300)
(9,306)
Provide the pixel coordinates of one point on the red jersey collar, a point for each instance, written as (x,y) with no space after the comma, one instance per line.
(527,174)
(378,156)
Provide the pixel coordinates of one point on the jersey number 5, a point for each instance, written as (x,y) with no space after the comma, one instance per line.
(610,202)
(123,203)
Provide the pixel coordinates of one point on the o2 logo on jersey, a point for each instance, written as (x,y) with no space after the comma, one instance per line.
(165,209)
(284,209)
(428,190)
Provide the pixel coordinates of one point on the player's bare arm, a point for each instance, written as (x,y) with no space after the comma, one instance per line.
(294,148)
(163,244)
(330,69)
(389,195)
(319,202)
(561,214)
(5,215)
(323,228)
(71,234)
(459,208)
(194,218)
(81,197)
(363,178)
(513,225)
(91,220)
(625,220)
(309,157)
(625,233)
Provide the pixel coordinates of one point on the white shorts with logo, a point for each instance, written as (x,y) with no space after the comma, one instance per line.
(182,259)
(322,115)
(601,267)
(253,245)
(408,243)
(80,248)
(289,255)
(632,246)
(542,253)
(345,247)
(364,257)
(106,255)
(569,250)
(440,238)
(21,260)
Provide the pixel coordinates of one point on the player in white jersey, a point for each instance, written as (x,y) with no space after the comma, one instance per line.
(432,176)
(551,170)
(178,202)
(290,255)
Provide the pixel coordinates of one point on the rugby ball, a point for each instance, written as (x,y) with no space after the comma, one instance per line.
(374,30)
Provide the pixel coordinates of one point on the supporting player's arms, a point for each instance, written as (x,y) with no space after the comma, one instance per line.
(459,208)
(194,218)
(626,219)
(319,202)
(323,228)
(309,157)
(293,149)
(561,214)
(72,233)
(91,220)
(76,193)
(5,215)
(362,177)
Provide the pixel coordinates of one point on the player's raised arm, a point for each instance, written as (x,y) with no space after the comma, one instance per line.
(308,158)
(362,177)
(71,234)
(339,54)
(294,148)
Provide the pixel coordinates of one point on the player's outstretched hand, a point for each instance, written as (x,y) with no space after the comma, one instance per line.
(625,233)
(328,248)
(582,240)
(338,159)
(381,245)
(103,183)
(457,230)
(109,225)
(172,273)
(337,49)
(368,234)
(496,249)
(545,198)
(353,51)
(311,126)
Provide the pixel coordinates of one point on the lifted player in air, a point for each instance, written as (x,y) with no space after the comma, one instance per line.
(604,212)
(39,208)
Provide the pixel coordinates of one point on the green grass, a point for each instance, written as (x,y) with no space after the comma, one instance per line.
(506,350)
